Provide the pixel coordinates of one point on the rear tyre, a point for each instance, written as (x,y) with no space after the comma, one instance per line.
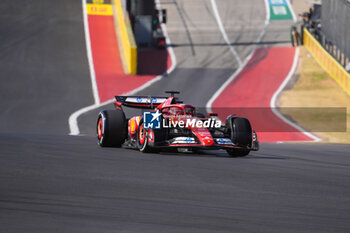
(241,135)
(111,128)
(142,138)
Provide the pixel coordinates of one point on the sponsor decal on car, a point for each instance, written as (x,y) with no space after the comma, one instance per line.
(152,120)
(223,141)
(192,122)
(183,140)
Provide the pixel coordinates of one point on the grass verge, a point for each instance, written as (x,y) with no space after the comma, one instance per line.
(315,88)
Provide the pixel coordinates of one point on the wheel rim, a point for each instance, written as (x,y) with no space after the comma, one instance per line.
(142,135)
(99,128)
(150,135)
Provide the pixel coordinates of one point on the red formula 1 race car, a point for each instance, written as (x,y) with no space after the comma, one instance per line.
(171,124)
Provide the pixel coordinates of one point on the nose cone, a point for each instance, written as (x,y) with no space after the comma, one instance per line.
(204,136)
(208,142)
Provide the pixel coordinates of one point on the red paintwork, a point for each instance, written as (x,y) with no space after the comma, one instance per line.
(165,103)
(118,105)
(133,125)
(253,88)
(204,136)
(142,135)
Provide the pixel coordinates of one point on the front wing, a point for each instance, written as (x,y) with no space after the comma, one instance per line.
(189,142)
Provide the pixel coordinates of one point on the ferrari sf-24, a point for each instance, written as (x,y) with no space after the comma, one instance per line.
(168,124)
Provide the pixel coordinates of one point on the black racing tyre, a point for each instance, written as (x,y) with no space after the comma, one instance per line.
(111,128)
(159,136)
(241,135)
(142,138)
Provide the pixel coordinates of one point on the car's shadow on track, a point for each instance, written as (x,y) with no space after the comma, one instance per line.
(218,154)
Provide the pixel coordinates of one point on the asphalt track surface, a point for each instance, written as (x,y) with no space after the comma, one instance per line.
(51,182)
(44,70)
(68,184)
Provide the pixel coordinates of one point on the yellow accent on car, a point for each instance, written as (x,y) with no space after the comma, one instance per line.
(132,125)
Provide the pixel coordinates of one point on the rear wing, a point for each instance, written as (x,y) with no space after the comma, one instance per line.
(140,101)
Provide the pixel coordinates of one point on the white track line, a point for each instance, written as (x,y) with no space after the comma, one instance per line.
(292,11)
(282,86)
(89,55)
(223,32)
(246,60)
(73,118)
(273,101)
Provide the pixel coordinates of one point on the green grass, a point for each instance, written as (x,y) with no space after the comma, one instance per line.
(315,88)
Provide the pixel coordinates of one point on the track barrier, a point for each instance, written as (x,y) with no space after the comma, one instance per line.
(326,61)
(126,38)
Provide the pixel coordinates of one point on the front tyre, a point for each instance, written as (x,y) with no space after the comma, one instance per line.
(111,128)
(241,135)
